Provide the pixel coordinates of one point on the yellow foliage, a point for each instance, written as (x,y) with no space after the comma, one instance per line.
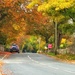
(16,27)
(42,44)
(57,4)
(34,2)
(57,8)
(31,5)
(66,4)
(63,40)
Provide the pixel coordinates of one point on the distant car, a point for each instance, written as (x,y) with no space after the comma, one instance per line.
(14,48)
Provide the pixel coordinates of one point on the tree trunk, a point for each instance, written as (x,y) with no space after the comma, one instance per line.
(59,39)
(46,38)
(56,38)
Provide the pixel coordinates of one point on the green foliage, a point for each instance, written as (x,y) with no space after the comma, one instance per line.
(3,15)
(67,28)
(9,40)
(63,45)
(31,44)
(3,38)
(51,39)
(70,12)
(52,54)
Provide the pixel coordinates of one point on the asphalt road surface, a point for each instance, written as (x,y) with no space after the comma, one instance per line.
(36,64)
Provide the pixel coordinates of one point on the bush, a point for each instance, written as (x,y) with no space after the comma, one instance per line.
(3,38)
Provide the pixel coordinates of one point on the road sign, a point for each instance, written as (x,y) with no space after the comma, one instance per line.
(49,45)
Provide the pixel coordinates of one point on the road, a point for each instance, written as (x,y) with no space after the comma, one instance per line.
(36,64)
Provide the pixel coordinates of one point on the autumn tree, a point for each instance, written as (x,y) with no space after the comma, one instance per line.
(11,18)
(39,25)
(54,8)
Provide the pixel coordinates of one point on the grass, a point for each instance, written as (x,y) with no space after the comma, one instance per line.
(51,54)
(66,56)
(62,56)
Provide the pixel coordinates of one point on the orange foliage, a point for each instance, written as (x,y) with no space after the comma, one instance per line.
(9,3)
(37,17)
(19,18)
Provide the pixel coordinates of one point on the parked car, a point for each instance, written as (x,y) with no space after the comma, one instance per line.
(14,48)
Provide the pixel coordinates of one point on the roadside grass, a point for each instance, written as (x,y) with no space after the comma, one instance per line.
(51,54)
(66,56)
(62,56)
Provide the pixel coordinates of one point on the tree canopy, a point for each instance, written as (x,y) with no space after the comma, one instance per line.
(36,17)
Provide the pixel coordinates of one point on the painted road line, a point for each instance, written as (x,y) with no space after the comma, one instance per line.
(3,57)
(68,71)
(42,63)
